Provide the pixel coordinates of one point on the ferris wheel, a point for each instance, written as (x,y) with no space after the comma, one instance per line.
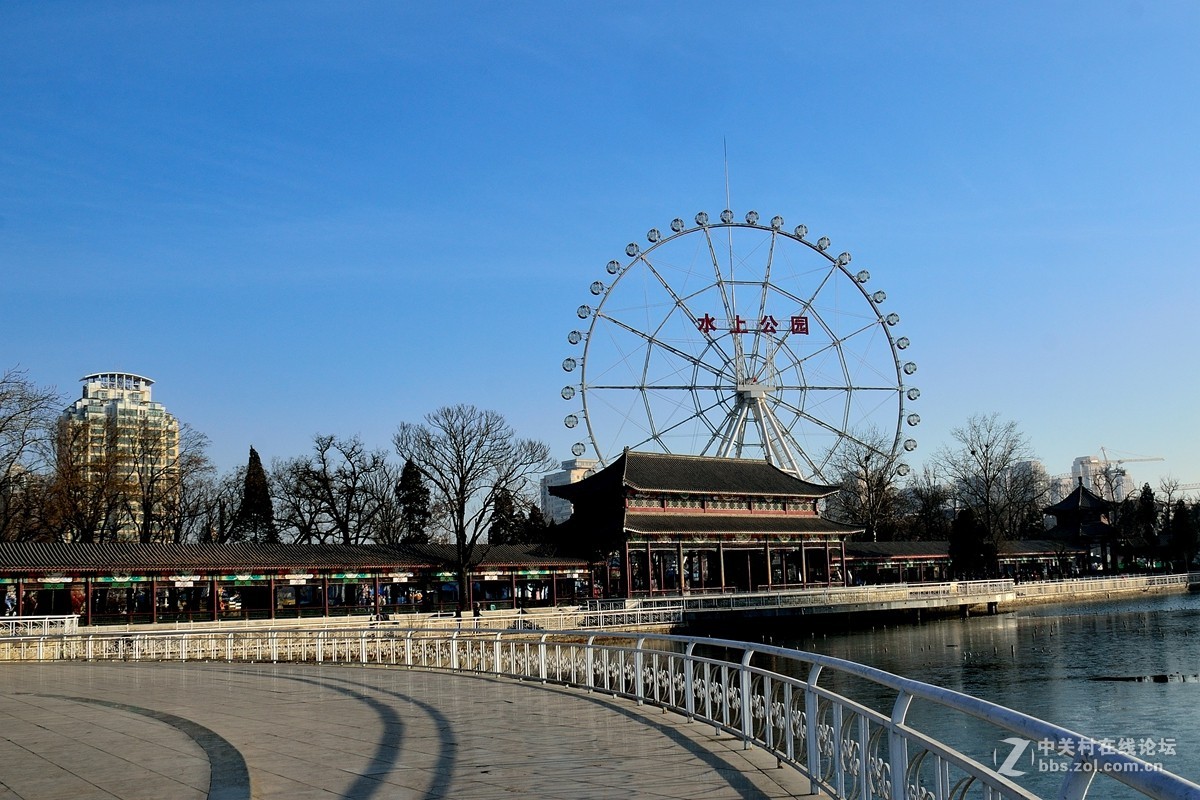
(737,338)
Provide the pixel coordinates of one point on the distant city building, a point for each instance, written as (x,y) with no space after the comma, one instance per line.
(1108,479)
(128,439)
(556,509)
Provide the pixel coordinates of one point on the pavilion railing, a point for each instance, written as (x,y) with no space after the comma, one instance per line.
(845,726)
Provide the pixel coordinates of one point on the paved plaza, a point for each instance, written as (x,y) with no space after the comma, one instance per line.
(231,731)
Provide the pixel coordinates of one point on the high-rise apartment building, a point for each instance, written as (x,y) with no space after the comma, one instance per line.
(125,439)
(556,509)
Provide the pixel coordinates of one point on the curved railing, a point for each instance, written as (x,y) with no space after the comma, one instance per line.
(846,726)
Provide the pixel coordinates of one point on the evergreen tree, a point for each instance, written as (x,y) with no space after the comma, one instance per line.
(508,523)
(412,494)
(537,529)
(972,554)
(255,517)
(1145,519)
(1184,533)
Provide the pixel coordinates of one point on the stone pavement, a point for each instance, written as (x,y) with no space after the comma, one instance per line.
(230,731)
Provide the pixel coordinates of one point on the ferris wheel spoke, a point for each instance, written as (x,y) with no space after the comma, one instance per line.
(739,360)
(802,414)
(762,300)
(654,387)
(656,434)
(653,342)
(803,307)
(681,303)
(835,343)
(800,387)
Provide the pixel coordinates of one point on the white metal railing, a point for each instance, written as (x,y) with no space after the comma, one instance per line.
(1076,586)
(951,591)
(39,626)
(782,700)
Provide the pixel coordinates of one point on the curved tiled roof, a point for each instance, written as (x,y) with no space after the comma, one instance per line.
(662,472)
(246,557)
(1082,500)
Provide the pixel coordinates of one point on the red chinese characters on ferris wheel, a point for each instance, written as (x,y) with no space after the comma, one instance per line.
(768,324)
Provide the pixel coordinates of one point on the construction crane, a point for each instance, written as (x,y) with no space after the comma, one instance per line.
(1114,464)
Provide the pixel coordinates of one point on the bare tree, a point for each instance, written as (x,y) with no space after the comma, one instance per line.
(27,413)
(927,507)
(298,512)
(336,493)
(156,469)
(866,470)
(84,499)
(386,524)
(469,456)
(991,472)
(191,496)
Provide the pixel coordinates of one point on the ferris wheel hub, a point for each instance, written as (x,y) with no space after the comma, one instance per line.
(751,391)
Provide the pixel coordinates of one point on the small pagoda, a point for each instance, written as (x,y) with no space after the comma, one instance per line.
(675,524)
(1081,518)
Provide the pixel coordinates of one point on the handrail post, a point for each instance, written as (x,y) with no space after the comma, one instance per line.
(589,663)
(746,680)
(543,670)
(638,661)
(812,704)
(898,745)
(689,678)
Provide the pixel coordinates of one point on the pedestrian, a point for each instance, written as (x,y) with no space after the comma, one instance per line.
(476,612)
(10,604)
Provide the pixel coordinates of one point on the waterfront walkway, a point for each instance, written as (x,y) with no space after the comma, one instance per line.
(232,731)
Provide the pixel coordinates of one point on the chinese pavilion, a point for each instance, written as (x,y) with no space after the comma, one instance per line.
(1082,518)
(681,524)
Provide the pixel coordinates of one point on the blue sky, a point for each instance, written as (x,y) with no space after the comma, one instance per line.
(326,217)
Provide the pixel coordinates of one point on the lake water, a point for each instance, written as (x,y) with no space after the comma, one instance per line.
(1057,662)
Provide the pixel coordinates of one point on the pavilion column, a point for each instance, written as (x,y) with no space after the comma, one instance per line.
(216,600)
(626,566)
(325,595)
(20,598)
(154,600)
(553,588)
(828,566)
(649,569)
(87,601)
(767,551)
(803,566)
(513,578)
(845,569)
(721,563)
(679,566)
(271,596)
